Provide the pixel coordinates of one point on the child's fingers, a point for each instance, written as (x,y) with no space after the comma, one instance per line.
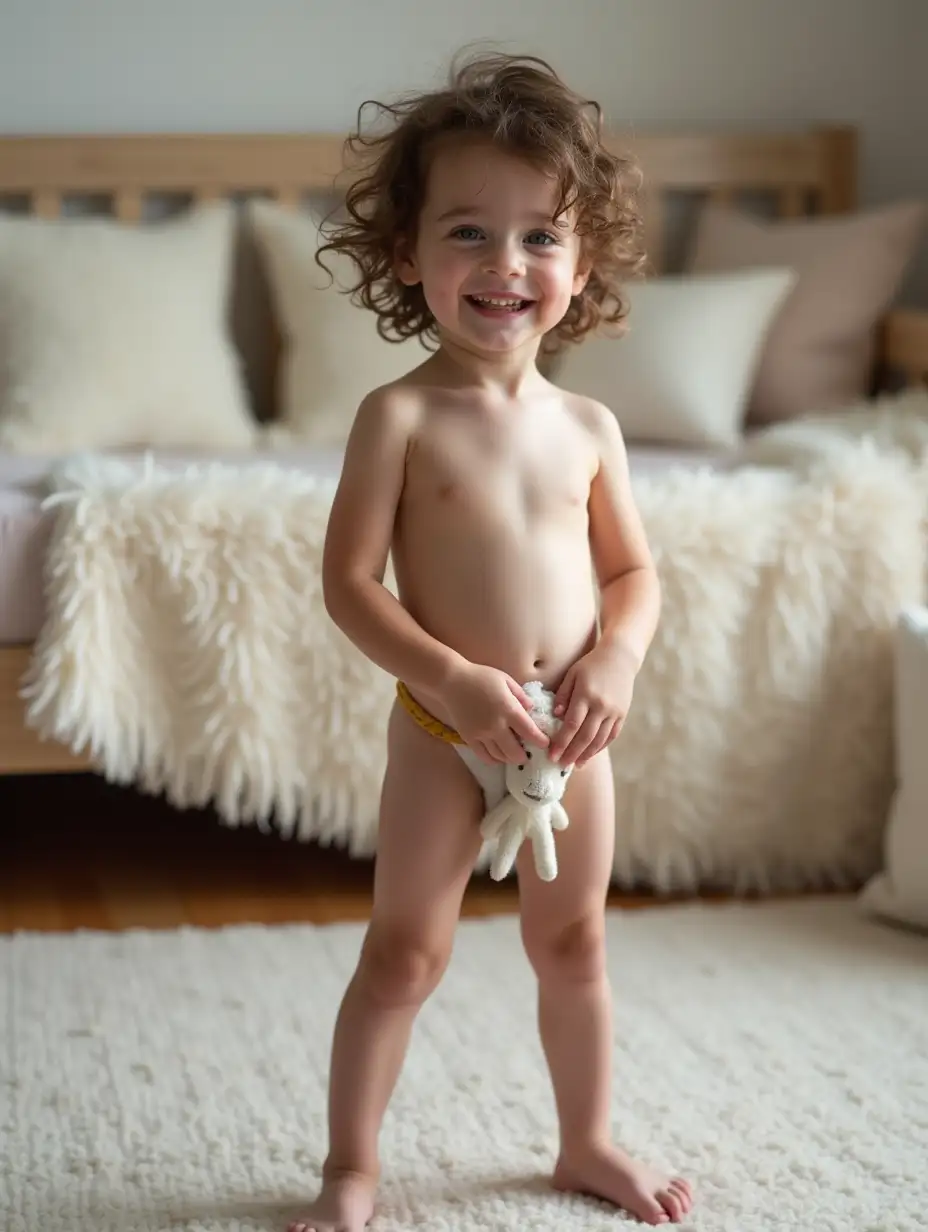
(510,747)
(580,740)
(484,750)
(520,695)
(525,728)
(498,751)
(562,696)
(564,736)
(604,737)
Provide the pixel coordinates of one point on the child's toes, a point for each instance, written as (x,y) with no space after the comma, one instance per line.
(649,1208)
(671,1203)
(683,1191)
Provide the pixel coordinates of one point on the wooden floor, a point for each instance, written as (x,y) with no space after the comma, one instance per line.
(76,852)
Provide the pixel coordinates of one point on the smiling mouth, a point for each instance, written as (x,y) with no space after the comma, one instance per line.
(499,305)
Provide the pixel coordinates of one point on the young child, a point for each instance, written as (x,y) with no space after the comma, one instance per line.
(493,221)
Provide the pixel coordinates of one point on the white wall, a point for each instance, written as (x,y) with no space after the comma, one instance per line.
(236,65)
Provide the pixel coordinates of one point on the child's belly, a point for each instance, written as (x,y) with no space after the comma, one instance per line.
(524,603)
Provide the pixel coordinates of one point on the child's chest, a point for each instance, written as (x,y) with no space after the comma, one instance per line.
(495,471)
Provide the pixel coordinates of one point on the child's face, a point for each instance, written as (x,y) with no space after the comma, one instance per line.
(496,269)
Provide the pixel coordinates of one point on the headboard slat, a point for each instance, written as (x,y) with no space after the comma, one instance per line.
(128,205)
(791,202)
(838,156)
(288,197)
(721,195)
(46,203)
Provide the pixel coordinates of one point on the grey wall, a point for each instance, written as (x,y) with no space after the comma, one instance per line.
(238,65)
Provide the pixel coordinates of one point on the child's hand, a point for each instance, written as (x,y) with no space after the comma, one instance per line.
(593,700)
(489,710)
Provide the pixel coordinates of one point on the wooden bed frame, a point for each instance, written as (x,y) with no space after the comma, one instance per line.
(808,172)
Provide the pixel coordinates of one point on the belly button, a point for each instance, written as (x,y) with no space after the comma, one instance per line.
(538,663)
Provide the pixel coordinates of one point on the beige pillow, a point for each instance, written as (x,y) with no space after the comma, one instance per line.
(820,351)
(682,373)
(333,355)
(115,336)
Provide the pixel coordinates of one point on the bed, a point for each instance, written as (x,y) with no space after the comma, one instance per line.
(805,172)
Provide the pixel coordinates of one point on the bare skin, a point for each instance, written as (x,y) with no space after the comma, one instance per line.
(506,503)
(563,927)
(407,948)
(430,810)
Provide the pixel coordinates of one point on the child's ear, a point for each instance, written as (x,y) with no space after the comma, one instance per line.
(404,262)
(581,277)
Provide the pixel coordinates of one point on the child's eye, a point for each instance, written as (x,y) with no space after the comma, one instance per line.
(466,233)
(541,238)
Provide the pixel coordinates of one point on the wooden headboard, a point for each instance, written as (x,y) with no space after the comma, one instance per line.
(804,172)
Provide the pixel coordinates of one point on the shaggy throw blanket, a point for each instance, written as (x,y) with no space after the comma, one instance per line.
(187,648)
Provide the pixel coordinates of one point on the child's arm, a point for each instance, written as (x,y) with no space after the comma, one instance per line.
(596,693)
(489,709)
(357,547)
(624,566)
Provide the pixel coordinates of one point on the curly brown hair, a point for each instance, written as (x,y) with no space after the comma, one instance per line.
(520,104)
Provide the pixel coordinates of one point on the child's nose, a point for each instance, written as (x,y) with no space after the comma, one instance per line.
(506,260)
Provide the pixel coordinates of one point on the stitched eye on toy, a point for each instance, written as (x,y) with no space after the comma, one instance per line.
(563,774)
(528,755)
(522,767)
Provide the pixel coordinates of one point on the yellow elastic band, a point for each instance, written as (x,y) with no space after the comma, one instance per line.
(433,726)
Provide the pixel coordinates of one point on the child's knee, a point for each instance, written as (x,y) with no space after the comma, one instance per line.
(574,953)
(399,968)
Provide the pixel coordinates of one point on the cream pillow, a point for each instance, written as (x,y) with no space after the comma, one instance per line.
(682,373)
(114,335)
(820,351)
(900,891)
(333,355)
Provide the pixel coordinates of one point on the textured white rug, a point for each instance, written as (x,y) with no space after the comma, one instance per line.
(776,1054)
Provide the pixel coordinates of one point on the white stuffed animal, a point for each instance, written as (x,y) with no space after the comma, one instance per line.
(531,808)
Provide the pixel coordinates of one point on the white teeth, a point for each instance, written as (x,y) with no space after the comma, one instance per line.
(493,302)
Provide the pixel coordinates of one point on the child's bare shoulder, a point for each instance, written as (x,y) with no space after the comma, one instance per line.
(599,421)
(390,411)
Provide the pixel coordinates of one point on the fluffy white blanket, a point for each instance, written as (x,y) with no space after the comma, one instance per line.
(186,646)
(894,422)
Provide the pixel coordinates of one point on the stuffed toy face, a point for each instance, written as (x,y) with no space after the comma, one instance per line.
(536,780)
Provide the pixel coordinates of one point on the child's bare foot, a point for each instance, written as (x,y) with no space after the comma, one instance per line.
(345,1204)
(608,1173)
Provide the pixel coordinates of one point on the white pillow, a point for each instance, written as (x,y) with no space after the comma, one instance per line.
(333,356)
(682,373)
(900,891)
(114,335)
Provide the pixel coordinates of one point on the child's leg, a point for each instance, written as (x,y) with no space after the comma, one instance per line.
(428,843)
(563,926)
